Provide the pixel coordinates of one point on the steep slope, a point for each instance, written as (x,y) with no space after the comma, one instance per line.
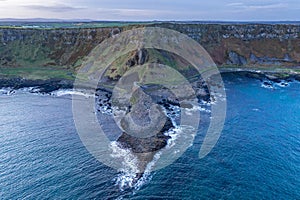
(57,53)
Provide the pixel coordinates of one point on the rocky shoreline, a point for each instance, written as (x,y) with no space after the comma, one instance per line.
(40,86)
(276,75)
(49,85)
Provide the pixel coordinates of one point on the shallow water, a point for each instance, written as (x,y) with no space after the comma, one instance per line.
(257,155)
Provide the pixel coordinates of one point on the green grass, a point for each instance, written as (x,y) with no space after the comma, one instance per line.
(26,54)
(35,73)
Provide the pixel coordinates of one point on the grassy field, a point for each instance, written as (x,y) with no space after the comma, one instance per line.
(34,73)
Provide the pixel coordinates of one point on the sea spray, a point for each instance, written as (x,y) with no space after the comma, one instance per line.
(129,169)
(66,92)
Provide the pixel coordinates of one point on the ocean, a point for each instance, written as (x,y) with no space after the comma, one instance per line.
(256,157)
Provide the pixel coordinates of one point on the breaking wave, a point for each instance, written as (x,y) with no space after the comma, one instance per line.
(36,90)
(11,91)
(66,92)
(275,85)
(126,178)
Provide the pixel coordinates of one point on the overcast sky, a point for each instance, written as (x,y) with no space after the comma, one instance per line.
(137,10)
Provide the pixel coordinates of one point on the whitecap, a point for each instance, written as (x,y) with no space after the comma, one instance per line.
(268,85)
(7,91)
(283,84)
(105,109)
(173,134)
(66,92)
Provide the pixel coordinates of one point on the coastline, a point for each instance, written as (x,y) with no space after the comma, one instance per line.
(273,74)
(43,86)
(47,86)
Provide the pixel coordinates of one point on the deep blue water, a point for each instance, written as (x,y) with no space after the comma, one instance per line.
(256,157)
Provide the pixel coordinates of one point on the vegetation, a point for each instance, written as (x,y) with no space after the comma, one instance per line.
(33,50)
(34,73)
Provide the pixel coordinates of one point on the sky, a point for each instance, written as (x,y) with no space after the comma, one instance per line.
(148,10)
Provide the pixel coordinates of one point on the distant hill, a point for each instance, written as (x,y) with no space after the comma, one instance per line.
(46,20)
(42,20)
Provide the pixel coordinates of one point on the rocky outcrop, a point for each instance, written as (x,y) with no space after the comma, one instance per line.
(236,59)
(144,125)
(139,58)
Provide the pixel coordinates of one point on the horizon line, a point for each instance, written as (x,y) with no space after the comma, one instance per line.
(99,20)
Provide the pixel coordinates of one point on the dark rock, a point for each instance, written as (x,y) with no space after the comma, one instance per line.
(287,58)
(186,105)
(236,59)
(140,57)
(146,145)
(44,86)
(143,113)
(254,75)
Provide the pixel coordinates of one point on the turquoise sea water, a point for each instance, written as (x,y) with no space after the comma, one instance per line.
(256,157)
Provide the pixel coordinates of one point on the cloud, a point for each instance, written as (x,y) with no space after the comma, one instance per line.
(235,4)
(135,12)
(53,8)
(239,5)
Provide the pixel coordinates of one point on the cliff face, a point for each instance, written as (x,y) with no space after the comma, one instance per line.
(246,44)
(242,45)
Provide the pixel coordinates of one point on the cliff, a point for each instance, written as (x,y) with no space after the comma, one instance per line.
(246,44)
(57,53)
